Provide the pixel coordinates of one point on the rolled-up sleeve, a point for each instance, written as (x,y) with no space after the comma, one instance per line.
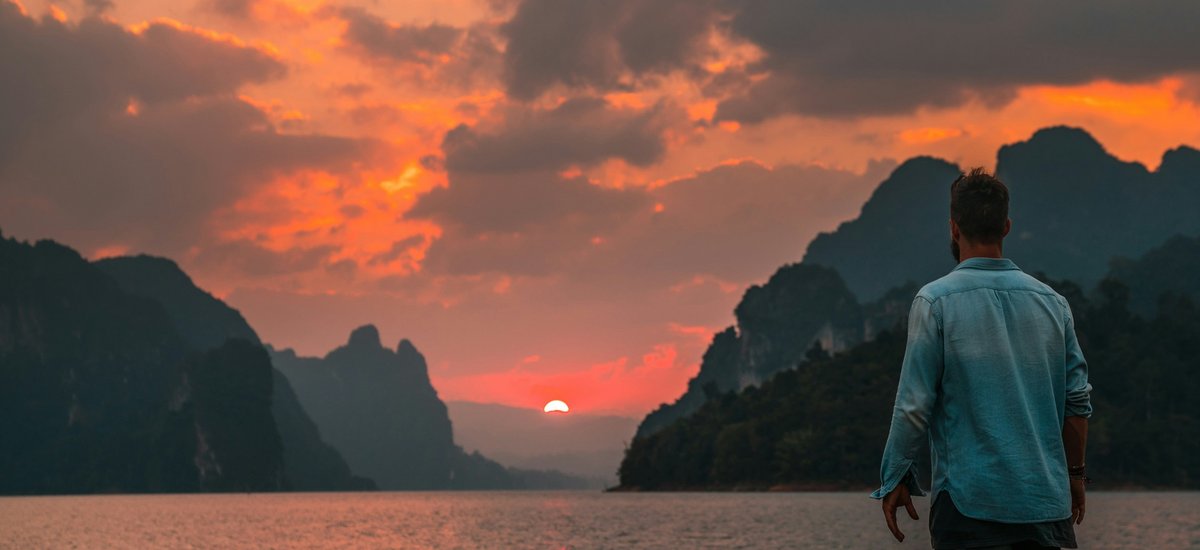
(915,397)
(1079,391)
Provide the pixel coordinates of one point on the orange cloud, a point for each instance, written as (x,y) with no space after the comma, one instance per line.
(702,110)
(1113,99)
(358,217)
(209,34)
(920,136)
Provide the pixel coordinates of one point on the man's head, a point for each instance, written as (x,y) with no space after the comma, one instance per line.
(978,211)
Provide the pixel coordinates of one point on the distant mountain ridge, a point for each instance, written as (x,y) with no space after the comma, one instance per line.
(379,408)
(318,458)
(578,443)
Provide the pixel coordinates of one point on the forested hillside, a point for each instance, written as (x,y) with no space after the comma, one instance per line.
(824,424)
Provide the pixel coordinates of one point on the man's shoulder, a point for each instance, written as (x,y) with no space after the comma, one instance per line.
(1024,282)
(966,280)
(937,288)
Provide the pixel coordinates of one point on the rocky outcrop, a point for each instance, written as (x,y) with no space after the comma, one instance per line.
(777,323)
(207,323)
(378,407)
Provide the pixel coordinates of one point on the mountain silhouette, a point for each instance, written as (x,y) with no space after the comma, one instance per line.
(902,233)
(100,393)
(206,322)
(123,376)
(579,443)
(1074,206)
(203,320)
(377,406)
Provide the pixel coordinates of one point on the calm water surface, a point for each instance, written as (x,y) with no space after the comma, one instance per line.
(534,520)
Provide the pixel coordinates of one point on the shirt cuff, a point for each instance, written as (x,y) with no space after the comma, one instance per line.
(1079,402)
(903,473)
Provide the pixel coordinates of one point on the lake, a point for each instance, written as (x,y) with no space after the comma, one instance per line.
(535,520)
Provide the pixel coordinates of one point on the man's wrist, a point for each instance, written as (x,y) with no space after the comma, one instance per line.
(1079,473)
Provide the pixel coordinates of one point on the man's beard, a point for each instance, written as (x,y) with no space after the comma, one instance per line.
(954,251)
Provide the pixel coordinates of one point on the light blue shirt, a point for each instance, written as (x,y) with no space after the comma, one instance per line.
(991,369)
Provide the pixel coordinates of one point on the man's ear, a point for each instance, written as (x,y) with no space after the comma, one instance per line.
(1007,227)
(953,230)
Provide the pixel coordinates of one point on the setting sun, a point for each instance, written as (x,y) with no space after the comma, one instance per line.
(556,406)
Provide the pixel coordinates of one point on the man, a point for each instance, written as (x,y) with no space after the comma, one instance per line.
(994,380)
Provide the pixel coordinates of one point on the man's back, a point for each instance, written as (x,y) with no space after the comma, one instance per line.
(992,367)
(997,422)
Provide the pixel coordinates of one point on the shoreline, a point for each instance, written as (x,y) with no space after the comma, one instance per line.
(837,488)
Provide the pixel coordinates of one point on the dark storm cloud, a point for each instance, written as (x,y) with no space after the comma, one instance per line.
(601,45)
(880,57)
(452,56)
(738,222)
(152,180)
(732,222)
(527,224)
(581,131)
(835,58)
(53,71)
(413,43)
(111,136)
(481,204)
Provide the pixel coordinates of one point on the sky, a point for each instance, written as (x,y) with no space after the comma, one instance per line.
(553,199)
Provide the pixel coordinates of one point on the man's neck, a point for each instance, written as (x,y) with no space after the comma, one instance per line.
(971,250)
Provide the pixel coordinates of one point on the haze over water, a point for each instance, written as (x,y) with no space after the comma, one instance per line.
(535,520)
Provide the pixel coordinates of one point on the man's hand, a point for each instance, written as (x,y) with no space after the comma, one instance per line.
(1075,431)
(1078,498)
(900,497)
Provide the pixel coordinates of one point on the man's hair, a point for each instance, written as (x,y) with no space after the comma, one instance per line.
(979,205)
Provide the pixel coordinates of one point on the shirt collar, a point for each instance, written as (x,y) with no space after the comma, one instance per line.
(986,263)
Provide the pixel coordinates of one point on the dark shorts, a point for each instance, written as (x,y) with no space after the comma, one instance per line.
(949,529)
